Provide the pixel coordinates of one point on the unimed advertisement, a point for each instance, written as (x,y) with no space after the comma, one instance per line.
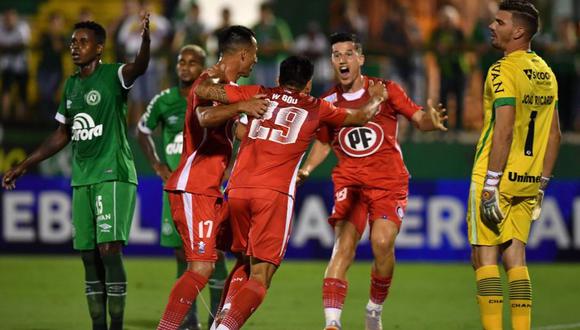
(36,218)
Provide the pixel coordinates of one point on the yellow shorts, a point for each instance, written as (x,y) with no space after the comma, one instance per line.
(516,223)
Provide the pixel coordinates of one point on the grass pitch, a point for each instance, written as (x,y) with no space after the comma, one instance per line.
(44,293)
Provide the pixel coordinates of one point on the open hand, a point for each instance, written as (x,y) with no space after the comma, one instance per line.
(437,115)
(490,209)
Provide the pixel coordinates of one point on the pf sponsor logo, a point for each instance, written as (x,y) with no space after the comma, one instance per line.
(83,128)
(361,141)
(93,97)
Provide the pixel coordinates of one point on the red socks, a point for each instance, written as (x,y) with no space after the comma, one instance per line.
(334,292)
(184,292)
(238,277)
(244,303)
(379,288)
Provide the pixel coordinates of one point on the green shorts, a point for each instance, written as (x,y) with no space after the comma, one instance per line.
(169,236)
(101,213)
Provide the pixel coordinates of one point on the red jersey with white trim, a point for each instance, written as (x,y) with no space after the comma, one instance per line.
(370,155)
(271,152)
(206,151)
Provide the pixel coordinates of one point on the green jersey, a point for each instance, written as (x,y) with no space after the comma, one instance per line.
(95,107)
(168,109)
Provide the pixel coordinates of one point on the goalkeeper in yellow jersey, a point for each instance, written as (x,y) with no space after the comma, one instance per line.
(513,163)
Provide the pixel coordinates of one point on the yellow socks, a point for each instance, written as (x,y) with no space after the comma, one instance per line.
(489,297)
(520,297)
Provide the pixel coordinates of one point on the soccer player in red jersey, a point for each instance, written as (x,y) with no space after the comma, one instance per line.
(262,185)
(194,187)
(370,180)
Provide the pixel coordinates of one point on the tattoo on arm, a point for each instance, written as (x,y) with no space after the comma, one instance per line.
(210,91)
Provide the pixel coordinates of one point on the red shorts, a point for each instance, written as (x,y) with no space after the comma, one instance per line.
(197,219)
(261,222)
(361,205)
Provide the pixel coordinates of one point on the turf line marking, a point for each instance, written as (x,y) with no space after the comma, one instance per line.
(559,326)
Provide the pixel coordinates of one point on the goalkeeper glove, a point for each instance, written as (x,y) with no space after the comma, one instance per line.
(540,198)
(490,209)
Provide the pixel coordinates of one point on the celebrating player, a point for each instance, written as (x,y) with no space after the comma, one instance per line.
(194,187)
(370,180)
(92,114)
(168,110)
(513,163)
(262,186)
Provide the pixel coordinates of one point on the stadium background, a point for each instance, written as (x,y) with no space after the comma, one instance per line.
(36,216)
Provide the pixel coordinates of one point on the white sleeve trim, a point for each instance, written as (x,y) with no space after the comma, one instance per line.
(61,118)
(144,129)
(120,75)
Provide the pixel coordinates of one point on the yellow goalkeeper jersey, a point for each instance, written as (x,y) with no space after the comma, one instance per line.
(521,79)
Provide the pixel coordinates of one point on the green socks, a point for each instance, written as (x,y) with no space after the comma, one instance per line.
(95,288)
(116,285)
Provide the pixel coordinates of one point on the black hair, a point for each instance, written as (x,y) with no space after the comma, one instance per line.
(346,37)
(232,37)
(525,13)
(296,71)
(98,30)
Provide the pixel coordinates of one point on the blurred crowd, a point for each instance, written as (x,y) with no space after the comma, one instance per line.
(442,60)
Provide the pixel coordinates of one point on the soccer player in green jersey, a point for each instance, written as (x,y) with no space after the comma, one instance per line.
(513,163)
(168,110)
(92,116)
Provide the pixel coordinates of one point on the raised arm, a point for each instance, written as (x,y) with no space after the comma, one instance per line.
(53,144)
(131,71)
(430,119)
(316,156)
(359,117)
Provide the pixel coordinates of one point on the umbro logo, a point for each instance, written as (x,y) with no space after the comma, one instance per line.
(105,227)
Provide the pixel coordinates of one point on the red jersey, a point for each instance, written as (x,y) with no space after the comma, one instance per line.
(206,151)
(270,153)
(370,155)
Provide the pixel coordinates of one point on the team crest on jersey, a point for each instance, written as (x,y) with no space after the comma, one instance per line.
(361,141)
(84,128)
(93,97)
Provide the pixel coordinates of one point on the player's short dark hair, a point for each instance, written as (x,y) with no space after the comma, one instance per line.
(296,71)
(525,13)
(98,30)
(232,37)
(346,37)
